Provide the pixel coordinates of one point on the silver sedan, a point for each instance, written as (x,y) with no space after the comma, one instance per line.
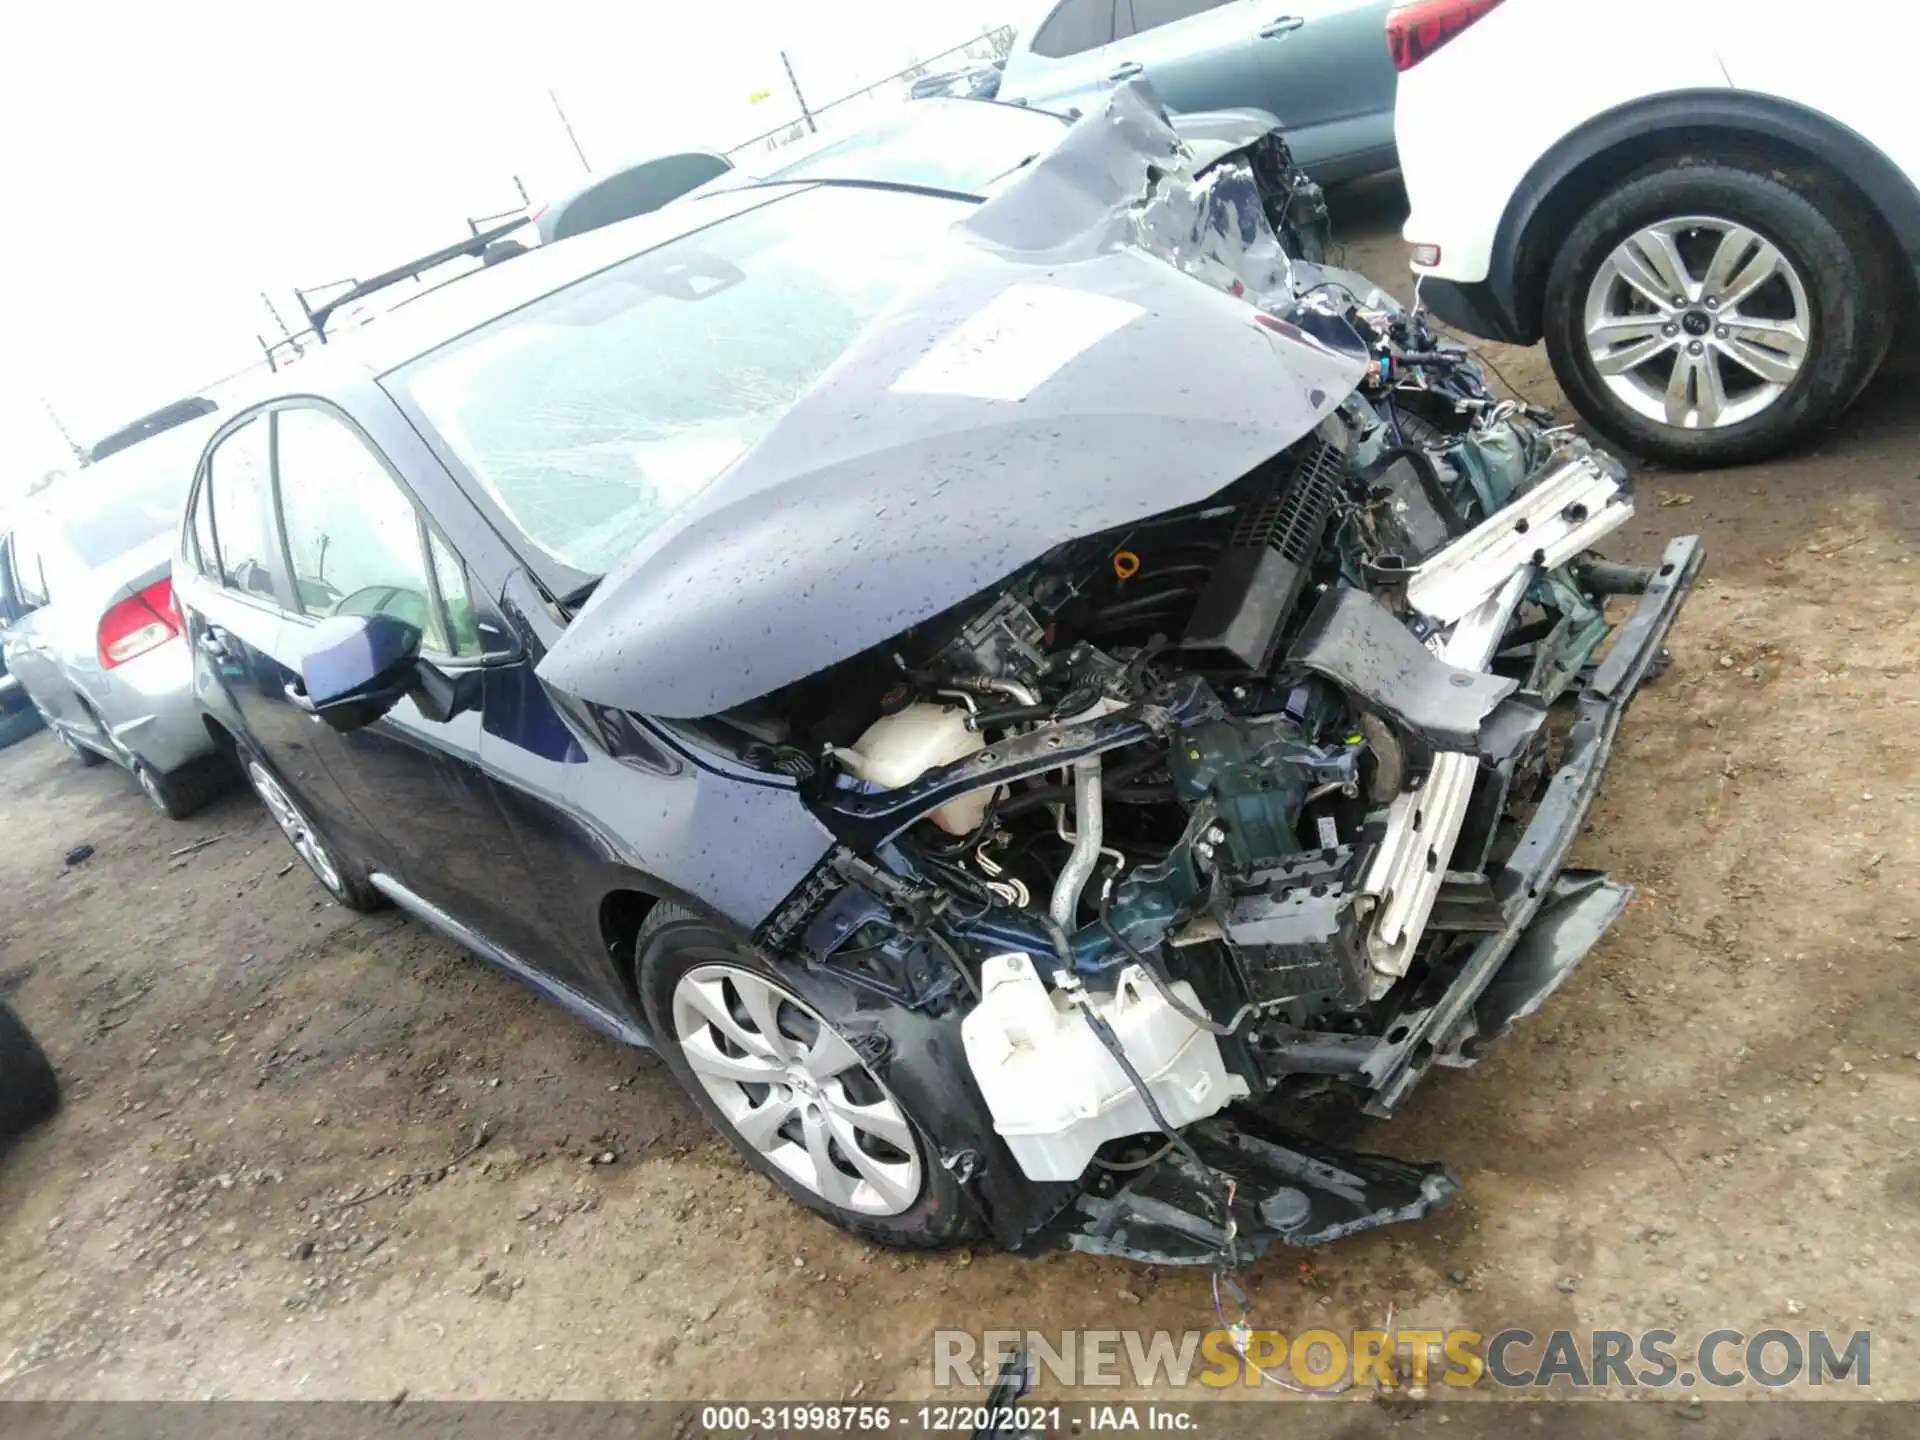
(91,632)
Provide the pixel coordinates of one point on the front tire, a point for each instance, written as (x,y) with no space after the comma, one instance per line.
(1708,314)
(774,1075)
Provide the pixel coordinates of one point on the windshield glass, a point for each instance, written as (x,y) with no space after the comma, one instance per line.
(592,414)
(962,145)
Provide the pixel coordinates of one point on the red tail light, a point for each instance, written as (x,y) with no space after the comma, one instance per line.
(1415,30)
(133,627)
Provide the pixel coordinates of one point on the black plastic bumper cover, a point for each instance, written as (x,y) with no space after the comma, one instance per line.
(1283,1187)
(1473,306)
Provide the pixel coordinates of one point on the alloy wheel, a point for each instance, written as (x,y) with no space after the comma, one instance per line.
(794,1090)
(287,816)
(1697,322)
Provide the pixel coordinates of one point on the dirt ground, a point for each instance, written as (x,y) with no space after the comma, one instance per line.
(265,1180)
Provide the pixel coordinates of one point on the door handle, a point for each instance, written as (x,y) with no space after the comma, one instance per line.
(1282,27)
(300,700)
(1127,71)
(209,644)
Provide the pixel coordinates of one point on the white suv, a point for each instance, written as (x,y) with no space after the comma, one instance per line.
(1708,209)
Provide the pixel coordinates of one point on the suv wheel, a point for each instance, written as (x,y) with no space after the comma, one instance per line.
(1707,314)
(343,880)
(797,1100)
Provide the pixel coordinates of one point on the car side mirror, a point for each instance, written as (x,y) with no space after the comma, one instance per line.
(357,668)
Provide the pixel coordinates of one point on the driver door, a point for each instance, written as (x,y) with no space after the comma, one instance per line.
(357,544)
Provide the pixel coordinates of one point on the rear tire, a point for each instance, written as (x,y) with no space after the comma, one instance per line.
(344,879)
(926,1211)
(1827,249)
(29,1090)
(87,757)
(187,790)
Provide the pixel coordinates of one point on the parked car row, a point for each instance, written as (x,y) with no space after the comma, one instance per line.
(1012,692)
(966,148)
(1715,235)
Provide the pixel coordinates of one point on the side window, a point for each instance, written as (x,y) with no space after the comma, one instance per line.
(27,583)
(462,625)
(1077,25)
(352,534)
(206,554)
(1152,14)
(240,506)
(61,572)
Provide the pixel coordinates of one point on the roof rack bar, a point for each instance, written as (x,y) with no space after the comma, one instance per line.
(474,246)
(477,223)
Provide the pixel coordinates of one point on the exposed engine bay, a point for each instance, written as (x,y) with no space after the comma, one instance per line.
(1212,808)
(1188,824)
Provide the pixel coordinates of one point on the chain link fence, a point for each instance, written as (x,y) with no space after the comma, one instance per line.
(986,48)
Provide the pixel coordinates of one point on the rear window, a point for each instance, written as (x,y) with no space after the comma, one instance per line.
(125,501)
(593,414)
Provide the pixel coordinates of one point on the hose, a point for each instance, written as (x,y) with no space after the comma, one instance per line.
(1103,1032)
(1048,794)
(1009,715)
(1088,823)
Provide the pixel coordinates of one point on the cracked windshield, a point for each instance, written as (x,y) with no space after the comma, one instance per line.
(594,413)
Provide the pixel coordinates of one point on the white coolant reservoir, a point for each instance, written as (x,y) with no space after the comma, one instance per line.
(898,749)
(1056,1093)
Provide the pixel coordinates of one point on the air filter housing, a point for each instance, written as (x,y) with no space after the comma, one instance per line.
(1275,537)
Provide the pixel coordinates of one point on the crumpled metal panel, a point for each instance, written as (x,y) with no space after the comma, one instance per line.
(1363,647)
(1576,912)
(1049,379)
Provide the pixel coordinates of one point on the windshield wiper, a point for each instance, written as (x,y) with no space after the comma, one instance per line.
(574,599)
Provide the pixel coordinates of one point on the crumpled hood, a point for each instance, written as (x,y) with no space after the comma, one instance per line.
(1047,379)
(1212,135)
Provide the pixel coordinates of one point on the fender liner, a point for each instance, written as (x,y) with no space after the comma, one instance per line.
(1519,260)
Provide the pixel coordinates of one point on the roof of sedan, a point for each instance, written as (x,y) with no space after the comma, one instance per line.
(457,307)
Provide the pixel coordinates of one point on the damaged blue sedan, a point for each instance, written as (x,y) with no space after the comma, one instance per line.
(1014,699)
